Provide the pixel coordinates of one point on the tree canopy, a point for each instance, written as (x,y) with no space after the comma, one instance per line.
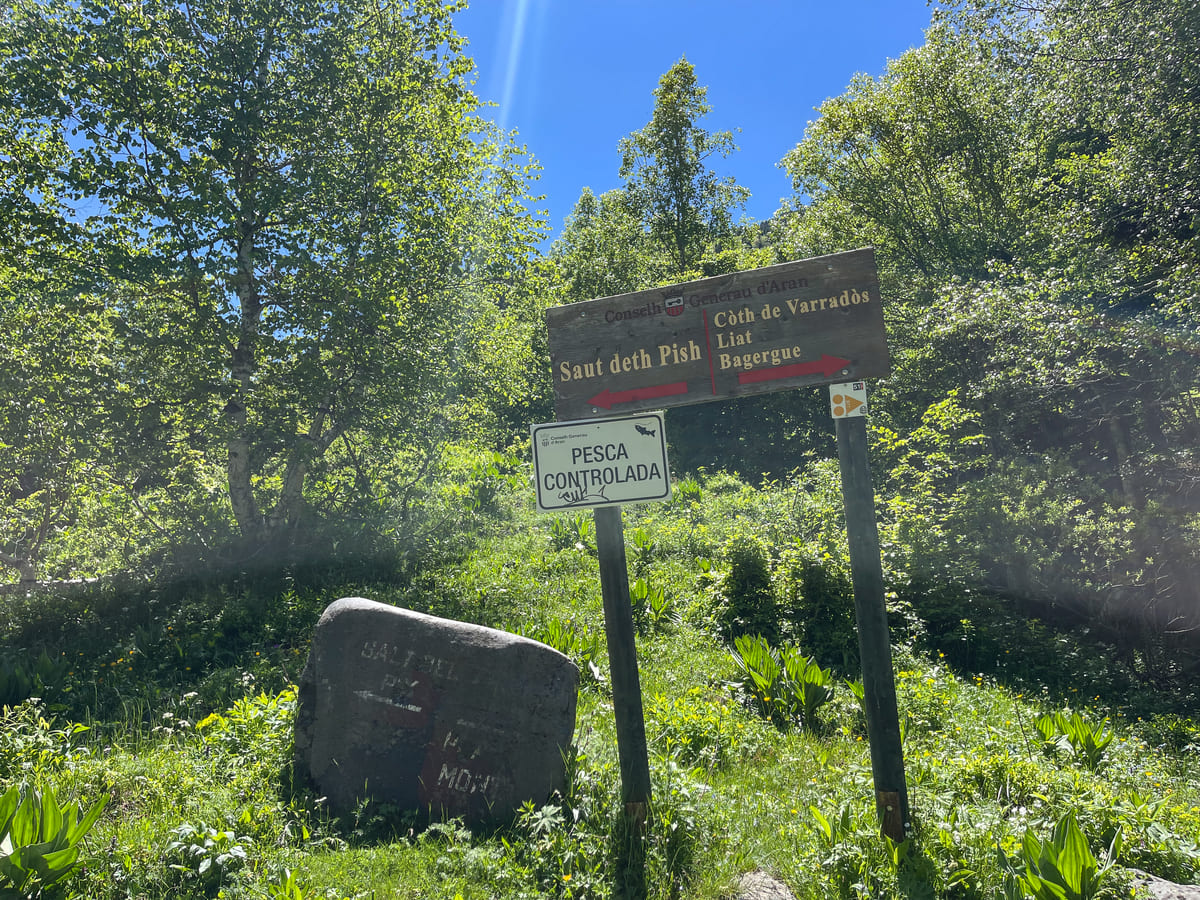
(682,202)
(293,211)
(1028,177)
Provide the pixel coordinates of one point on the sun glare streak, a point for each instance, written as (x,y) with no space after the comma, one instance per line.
(516,19)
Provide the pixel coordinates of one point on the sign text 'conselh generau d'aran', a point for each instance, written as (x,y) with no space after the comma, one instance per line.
(811,322)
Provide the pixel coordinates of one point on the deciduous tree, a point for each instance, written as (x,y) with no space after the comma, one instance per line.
(296,211)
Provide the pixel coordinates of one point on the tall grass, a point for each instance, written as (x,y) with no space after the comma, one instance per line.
(185,710)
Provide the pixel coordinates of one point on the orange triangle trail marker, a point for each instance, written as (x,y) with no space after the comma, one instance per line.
(847,400)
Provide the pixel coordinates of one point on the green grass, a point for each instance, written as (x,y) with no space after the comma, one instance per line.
(182,692)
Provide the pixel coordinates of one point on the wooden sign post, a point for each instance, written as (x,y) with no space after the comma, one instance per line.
(806,323)
(603,463)
(874,640)
(622,661)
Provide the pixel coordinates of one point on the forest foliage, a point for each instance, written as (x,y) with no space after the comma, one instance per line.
(271,328)
(265,267)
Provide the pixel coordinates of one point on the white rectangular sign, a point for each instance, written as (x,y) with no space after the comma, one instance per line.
(600,462)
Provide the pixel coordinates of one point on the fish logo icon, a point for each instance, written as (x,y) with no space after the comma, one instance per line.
(674,305)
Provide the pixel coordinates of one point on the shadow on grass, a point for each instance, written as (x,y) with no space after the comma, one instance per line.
(1041,648)
(109,650)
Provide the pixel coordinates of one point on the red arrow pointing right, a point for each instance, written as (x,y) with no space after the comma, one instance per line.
(827,365)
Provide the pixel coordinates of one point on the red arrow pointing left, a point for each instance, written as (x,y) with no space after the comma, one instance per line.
(827,365)
(608,399)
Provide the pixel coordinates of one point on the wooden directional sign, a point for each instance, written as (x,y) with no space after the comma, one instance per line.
(812,322)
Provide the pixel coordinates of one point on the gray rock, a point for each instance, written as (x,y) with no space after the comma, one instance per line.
(441,717)
(1161,889)
(758,885)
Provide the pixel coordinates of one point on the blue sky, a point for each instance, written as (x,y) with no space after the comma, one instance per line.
(573,77)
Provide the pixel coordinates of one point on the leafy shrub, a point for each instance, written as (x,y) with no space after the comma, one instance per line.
(30,744)
(653,608)
(1171,732)
(805,679)
(818,603)
(1149,836)
(784,686)
(843,852)
(22,677)
(285,886)
(489,478)
(575,847)
(746,601)
(674,827)
(574,533)
(564,851)
(206,856)
(1061,868)
(723,483)
(581,644)
(1086,742)
(1001,778)
(255,731)
(563,846)
(761,674)
(697,729)
(39,838)
(687,491)
(644,548)
(818,511)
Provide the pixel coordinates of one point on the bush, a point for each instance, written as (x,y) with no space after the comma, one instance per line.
(205,856)
(784,686)
(698,729)
(746,601)
(255,731)
(1061,868)
(818,604)
(31,746)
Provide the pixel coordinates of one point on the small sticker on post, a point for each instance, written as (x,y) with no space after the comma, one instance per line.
(846,400)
